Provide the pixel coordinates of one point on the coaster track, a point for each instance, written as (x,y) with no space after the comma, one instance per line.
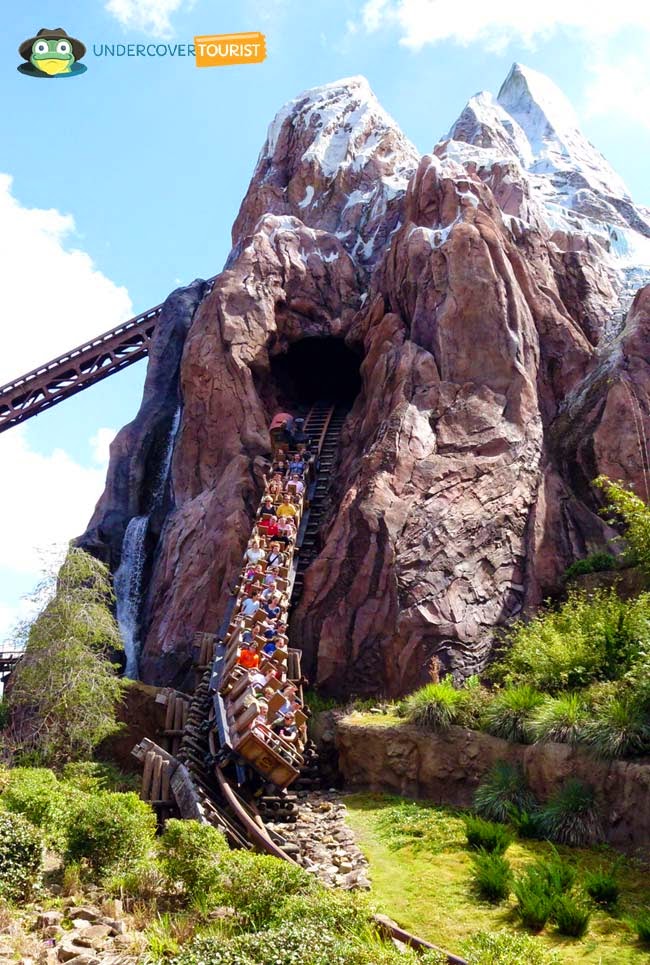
(78,369)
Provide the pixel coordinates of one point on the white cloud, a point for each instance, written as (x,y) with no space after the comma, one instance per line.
(100,445)
(37,521)
(60,292)
(150,16)
(495,24)
(621,86)
(45,499)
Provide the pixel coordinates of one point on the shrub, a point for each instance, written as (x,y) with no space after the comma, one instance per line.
(90,776)
(571,916)
(475,699)
(142,882)
(560,719)
(602,887)
(510,713)
(36,793)
(571,815)
(619,728)
(590,637)
(436,706)
(595,563)
(503,791)
(507,948)
(528,824)
(534,900)
(295,943)
(189,855)
(110,831)
(491,876)
(626,507)
(486,835)
(255,884)
(21,857)
(555,874)
(641,925)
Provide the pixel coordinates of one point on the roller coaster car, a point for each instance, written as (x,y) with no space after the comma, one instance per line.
(266,761)
(280,430)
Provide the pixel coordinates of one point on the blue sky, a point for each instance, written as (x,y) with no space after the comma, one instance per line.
(125,181)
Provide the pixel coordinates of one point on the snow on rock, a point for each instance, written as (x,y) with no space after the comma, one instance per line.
(555,179)
(336,159)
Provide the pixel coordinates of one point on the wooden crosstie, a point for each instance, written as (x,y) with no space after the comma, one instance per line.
(79,368)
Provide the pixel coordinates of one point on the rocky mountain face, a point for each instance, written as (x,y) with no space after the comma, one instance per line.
(484,290)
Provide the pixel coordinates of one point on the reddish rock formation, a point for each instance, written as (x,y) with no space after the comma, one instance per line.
(492,394)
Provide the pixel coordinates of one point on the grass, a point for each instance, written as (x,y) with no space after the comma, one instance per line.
(421,869)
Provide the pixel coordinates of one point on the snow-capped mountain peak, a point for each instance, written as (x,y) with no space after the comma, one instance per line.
(567,188)
(552,130)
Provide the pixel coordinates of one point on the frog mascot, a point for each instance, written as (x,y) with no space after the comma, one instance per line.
(52,53)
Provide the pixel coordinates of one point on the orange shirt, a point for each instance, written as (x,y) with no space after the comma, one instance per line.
(249,659)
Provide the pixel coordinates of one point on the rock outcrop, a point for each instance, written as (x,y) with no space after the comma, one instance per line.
(447,768)
(482,293)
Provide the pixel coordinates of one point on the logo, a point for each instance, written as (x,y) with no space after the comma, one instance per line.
(219,50)
(52,53)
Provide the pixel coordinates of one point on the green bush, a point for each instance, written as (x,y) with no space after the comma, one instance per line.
(436,706)
(256,884)
(510,713)
(475,699)
(21,857)
(602,887)
(36,793)
(110,831)
(503,791)
(619,728)
(507,948)
(491,876)
(534,899)
(189,855)
(555,874)
(486,835)
(91,776)
(595,563)
(627,508)
(560,719)
(641,925)
(144,881)
(528,824)
(571,815)
(595,636)
(295,943)
(571,916)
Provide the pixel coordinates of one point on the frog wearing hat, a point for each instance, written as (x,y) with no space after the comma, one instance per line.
(52,53)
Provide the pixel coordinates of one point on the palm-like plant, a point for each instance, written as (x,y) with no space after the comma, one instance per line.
(503,791)
(561,719)
(511,712)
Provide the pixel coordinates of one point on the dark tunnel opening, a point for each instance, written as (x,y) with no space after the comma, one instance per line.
(316,369)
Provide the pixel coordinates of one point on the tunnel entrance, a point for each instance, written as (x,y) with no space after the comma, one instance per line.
(317,369)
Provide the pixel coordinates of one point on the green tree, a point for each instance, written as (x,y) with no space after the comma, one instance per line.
(65,690)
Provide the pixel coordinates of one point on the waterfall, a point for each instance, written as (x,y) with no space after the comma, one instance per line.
(166,462)
(128,577)
(128,590)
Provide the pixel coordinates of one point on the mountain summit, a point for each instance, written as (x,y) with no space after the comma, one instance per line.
(573,187)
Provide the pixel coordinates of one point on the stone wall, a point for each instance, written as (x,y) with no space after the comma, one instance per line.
(446,768)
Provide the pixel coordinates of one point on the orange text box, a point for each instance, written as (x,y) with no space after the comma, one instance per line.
(219,50)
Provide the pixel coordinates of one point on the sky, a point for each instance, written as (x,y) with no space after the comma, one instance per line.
(120,185)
